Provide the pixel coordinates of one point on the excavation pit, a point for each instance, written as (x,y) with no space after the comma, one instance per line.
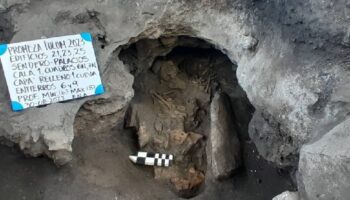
(176,80)
(100,168)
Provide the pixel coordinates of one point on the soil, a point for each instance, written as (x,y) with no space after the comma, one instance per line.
(101,170)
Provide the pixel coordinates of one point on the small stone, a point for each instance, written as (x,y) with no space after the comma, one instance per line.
(249,43)
(287,195)
(346,39)
(2,8)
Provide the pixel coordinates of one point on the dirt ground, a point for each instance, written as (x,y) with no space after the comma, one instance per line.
(101,170)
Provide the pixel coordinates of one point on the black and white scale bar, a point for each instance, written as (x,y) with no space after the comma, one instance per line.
(152,159)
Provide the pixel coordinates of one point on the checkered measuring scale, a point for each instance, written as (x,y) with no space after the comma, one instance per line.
(152,159)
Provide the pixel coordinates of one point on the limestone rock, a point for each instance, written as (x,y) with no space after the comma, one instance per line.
(225,146)
(325,165)
(287,195)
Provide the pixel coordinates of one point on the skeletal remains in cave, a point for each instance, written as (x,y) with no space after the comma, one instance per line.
(180,108)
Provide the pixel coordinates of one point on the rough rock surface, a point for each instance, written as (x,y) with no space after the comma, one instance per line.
(292,61)
(287,195)
(325,165)
(294,89)
(225,147)
(49,130)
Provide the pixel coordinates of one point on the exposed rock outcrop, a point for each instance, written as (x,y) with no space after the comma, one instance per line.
(325,165)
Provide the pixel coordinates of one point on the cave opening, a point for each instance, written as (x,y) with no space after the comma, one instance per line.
(188,103)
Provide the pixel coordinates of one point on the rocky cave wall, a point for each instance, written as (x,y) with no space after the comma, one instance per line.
(292,56)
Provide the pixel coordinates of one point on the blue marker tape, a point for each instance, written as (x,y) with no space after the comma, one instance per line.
(99,90)
(3,48)
(86,36)
(16,106)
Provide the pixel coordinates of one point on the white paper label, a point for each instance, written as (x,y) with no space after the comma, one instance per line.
(46,71)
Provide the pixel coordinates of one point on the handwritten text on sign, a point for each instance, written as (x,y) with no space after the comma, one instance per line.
(50,70)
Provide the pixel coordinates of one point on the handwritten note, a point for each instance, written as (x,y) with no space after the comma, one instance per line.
(46,71)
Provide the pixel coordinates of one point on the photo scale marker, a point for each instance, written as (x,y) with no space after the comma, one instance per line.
(152,159)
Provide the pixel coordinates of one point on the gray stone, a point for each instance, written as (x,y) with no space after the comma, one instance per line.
(346,39)
(250,43)
(325,165)
(225,146)
(287,195)
(2,8)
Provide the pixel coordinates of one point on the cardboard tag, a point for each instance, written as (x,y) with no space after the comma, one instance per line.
(46,71)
